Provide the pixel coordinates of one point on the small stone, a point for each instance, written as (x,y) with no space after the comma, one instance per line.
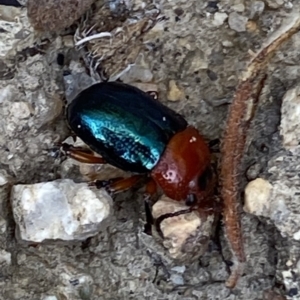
(59,210)
(5,257)
(195,61)
(227,44)
(181,233)
(179,269)
(219,18)
(3,180)
(4,177)
(20,110)
(7,93)
(290,115)
(256,8)
(137,73)
(289,263)
(237,22)
(50,298)
(257,194)
(275,3)
(68,41)
(288,5)
(240,7)
(253,171)
(174,93)
(177,279)
(185,42)
(48,107)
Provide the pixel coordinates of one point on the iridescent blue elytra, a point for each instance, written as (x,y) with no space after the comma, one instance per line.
(126,126)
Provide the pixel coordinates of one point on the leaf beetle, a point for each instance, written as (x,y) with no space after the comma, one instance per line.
(132,131)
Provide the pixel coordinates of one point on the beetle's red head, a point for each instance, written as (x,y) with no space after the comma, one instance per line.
(184,170)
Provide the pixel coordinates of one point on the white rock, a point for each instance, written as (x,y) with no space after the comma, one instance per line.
(5,257)
(59,209)
(256,8)
(275,3)
(227,44)
(237,22)
(290,116)
(257,194)
(179,269)
(177,279)
(20,110)
(7,93)
(219,18)
(50,298)
(239,7)
(3,178)
(288,5)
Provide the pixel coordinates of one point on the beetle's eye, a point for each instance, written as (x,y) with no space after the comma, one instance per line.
(205,178)
(191,200)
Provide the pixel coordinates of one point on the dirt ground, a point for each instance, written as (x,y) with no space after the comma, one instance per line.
(195,56)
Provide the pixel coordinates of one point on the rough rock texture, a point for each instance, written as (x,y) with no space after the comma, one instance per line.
(290,126)
(15,31)
(277,199)
(59,210)
(195,47)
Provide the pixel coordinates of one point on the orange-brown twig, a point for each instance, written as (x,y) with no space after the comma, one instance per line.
(247,93)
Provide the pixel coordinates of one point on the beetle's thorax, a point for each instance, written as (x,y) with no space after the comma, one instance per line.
(184,160)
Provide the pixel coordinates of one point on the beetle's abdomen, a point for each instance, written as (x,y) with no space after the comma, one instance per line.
(128,128)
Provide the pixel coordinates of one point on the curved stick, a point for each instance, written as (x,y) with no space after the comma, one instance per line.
(245,98)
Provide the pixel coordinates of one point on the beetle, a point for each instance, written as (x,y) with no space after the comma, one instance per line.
(132,131)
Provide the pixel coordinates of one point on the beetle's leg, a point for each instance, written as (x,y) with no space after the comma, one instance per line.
(170,215)
(117,185)
(214,146)
(99,184)
(82,155)
(149,216)
(151,190)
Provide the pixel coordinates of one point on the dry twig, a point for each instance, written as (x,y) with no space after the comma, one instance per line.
(246,95)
